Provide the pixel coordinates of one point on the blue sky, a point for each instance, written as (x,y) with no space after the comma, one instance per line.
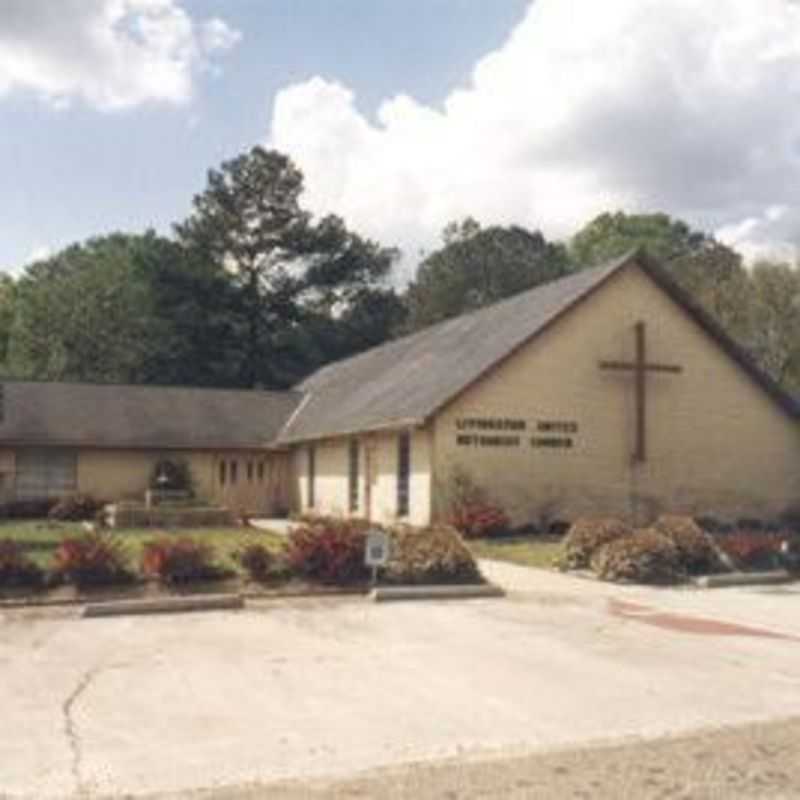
(404,114)
(79,171)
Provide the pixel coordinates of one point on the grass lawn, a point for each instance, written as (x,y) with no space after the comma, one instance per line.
(41,538)
(529,551)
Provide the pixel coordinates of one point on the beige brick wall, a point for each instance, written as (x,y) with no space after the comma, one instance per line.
(116,474)
(378,458)
(717,443)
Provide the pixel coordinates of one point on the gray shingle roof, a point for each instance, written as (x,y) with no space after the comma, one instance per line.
(404,382)
(141,416)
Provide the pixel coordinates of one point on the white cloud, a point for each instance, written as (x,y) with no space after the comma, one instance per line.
(112,54)
(671,105)
(39,253)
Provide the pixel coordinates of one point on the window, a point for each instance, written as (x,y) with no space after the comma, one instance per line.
(403,473)
(45,472)
(312,476)
(261,471)
(353,474)
(223,472)
(234,471)
(249,471)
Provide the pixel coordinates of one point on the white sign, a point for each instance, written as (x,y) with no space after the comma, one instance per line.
(377,549)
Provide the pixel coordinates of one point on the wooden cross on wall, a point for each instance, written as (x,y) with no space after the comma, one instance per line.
(640,367)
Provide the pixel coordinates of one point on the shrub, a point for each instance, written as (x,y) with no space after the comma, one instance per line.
(179,559)
(436,554)
(478,520)
(257,560)
(75,508)
(646,556)
(753,549)
(588,534)
(28,509)
(16,568)
(697,550)
(92,559)
(329,550)
(171,475)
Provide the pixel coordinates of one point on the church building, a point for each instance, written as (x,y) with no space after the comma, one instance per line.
(607,391)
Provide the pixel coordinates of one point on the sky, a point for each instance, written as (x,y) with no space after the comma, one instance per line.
(403,114)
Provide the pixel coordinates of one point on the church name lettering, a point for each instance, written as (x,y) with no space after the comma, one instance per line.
(490,424)
(556,426)
(562,442)
(552,434)
(476,440)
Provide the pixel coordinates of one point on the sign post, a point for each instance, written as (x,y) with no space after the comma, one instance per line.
(376,552)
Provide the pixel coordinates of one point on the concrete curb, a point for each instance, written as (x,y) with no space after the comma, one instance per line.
(166,605)
(382,594)
(743,579)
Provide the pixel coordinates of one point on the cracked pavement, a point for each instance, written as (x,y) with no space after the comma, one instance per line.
(328,688)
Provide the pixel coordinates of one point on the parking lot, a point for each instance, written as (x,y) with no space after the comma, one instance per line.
(321,688)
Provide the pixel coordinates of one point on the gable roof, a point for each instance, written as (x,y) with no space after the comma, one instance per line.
(103,415)
(406,381)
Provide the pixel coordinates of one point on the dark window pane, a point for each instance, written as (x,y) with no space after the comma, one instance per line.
(403,473)
(353,469)
(312,476)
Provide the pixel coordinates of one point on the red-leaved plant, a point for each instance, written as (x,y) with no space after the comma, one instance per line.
(752,549)
(329,550)
(478,520)
(92,559)
(176,560)
(16,568)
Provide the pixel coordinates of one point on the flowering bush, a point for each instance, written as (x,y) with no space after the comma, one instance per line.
(257,560)
(16,568)
(92,559)
(478,519)
(645,556)
(176,560)
(436,554)
(696,548)
(752,550)
(329,550)
(585,536)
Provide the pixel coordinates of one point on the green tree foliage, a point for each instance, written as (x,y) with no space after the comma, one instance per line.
(123,308)
(87,313)
(711,272)
(477,266)
(285,267)
(8,293)
(775,310)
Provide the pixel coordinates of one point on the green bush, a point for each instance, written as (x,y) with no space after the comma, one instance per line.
(16,568)
(257,560)
(180,559)
(697,550)
(436,554)
(329,550)
(75,508)
(645,556)
(585,536)
(92,559)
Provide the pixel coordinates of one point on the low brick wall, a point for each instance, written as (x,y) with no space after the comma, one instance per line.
(123,516)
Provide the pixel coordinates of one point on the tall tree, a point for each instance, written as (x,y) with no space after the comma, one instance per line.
(123,308)
(85,313)
(477,266)
(710,271)
(775,303)
(248,222)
